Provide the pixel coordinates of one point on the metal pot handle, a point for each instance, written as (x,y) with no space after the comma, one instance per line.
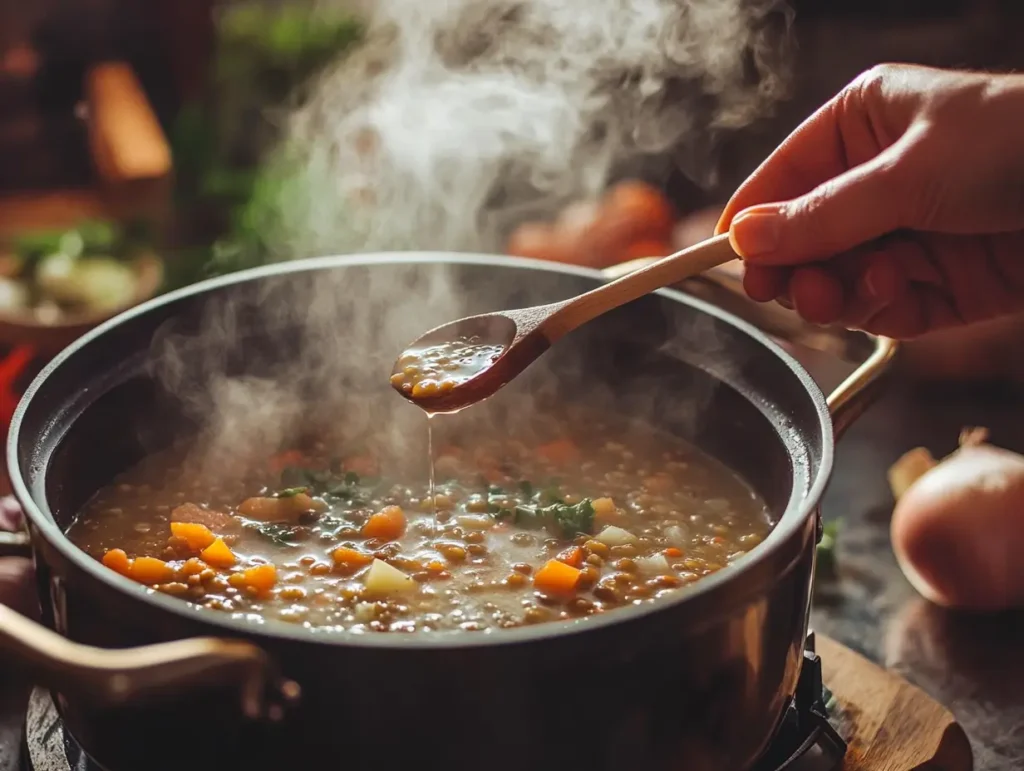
(135,675)
(874,355)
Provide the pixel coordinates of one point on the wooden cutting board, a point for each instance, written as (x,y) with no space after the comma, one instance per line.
(889,724)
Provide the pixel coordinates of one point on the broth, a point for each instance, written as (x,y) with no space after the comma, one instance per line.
(573,517)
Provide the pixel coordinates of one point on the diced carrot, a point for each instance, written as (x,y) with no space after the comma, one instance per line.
(218,554)
(118,561)
(560,452)
(364,465)
(556,578)
(436,566)
(387,524)
(260,577)
(571,556)
(198,536)
(282,460)
(672,551)
(150,570)
(350,559)
(193,567)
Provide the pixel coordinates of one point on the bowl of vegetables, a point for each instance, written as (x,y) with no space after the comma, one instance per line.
(56,285)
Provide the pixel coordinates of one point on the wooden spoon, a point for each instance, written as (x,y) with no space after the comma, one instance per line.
(463,362)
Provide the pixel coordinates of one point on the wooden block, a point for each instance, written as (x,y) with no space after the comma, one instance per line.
(894,726)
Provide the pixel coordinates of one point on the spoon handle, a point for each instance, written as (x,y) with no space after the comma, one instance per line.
(667,271)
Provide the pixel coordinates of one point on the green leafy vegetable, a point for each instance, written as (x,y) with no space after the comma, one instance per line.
(526,488)
(281,534)
(565,519)
(290,492)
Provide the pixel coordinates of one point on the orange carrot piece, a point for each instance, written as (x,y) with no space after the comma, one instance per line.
(436,566)
(561,452)
(364,465)
(218,554)
(672,551)
(350,559)
(150,570)
(387,524)
(557,578)
(118,561)
(198,536)
(571,556)
(261,578)
(282,460)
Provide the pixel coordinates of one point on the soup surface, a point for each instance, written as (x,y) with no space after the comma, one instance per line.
(584,517)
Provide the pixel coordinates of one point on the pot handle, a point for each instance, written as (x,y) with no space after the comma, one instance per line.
(132,675)
(874,355)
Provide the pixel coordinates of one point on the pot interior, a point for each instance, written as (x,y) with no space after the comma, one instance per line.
(316,340)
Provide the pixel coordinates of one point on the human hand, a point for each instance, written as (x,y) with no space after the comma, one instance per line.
(897,208)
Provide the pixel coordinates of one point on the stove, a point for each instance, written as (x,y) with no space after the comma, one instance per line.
(807,739)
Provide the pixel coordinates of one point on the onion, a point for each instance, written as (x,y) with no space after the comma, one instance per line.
(958,527)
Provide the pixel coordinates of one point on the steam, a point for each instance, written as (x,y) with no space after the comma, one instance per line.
(457,120)
(451,124)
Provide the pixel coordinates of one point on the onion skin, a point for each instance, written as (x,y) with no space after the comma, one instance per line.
(958,531)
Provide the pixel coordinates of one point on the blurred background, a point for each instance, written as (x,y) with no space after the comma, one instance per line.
(148,144)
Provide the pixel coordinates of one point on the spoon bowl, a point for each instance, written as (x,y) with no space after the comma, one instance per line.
(465,361)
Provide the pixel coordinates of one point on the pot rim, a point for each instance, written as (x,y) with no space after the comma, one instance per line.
(800,506)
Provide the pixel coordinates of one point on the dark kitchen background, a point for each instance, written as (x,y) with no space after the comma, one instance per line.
(105,118)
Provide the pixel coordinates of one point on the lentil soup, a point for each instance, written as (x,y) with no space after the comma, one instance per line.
(584,518)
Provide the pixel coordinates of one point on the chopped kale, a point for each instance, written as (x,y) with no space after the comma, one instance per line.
(347,486)
(565,519)
(281,534)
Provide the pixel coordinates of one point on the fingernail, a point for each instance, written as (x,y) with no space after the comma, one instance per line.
(756,232)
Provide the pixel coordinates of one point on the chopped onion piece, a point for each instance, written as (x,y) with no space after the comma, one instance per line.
(383,579)
(676,535)
(615,536)
(655,565)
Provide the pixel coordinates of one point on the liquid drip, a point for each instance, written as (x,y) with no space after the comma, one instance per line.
(430,466)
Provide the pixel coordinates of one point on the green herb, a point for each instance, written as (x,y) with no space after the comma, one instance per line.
(290,492)
(526,488)
(565,519)
(281,534)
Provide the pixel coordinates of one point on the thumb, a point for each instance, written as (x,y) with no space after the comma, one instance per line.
(858,206)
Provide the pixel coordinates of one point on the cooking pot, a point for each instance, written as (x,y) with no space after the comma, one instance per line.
(697,681)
